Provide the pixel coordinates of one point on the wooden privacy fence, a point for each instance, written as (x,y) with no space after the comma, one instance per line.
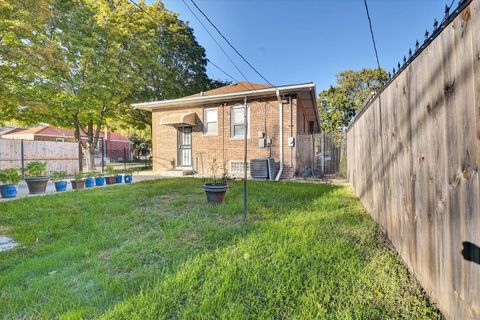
(413,159)
(317,154)
(58,155)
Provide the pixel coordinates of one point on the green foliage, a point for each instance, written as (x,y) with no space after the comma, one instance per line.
(90,174)
(36,168)
(78,176)
(339,104)
(80,63)
(110,170)
(157,250)
(10,176)
(58,176)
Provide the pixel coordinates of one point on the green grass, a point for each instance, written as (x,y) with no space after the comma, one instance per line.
(156,250)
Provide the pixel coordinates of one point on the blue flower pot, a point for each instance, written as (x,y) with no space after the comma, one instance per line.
(61,185)
(8,190)
(99,181)
(127,178)
(118,178)
(89,182)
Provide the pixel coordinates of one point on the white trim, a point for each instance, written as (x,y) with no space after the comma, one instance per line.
(209,134)
(242,137)
(149,106)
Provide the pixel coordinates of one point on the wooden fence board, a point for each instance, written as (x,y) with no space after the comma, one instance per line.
(58,155)
(413,159)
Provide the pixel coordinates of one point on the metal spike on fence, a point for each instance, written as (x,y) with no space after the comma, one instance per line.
(435,25)
(417,45)
(393,70)
(409,52)
(399,66)
(447,11)
(404,60)
(390,75)
(426,35)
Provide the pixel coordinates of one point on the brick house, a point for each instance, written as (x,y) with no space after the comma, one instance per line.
(115,143)
(190,132)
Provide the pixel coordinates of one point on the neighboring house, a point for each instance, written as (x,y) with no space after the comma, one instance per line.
(115,144)
(190,132)
(9,129)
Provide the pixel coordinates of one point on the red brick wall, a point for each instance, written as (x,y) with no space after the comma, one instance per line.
(264,116)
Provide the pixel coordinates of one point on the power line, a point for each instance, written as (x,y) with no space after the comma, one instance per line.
(371,32)
(218,44)
(224,38)
(160,24)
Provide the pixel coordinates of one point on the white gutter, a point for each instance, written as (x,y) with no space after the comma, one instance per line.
(213,98)
(280,110)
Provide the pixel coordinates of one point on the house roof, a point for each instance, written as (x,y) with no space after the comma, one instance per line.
(62,133)
(9,129)
(235,87)
(229,93)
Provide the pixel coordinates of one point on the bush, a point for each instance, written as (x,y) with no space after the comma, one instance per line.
(36,169)
(58,175)
(78,176)
(110,170)
(10,176)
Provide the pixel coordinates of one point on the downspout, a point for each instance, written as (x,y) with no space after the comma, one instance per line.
(280,110)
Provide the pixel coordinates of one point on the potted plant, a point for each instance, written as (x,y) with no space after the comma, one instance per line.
(78,182)
(58,177)
(118,176)
(99,179)
(216,189)
(127,176)
(10,179)
(37,179)
(110,177)
(90,179)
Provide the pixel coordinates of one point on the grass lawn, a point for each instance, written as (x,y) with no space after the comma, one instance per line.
(156,250)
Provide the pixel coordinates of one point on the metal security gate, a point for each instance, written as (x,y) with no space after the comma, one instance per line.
(185,146)
(318,154)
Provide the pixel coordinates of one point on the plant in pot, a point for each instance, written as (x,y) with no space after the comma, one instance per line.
(36,177)
(78,182)
(216,189)
(90,179)
(110,177)
(10,179)
(58,177)
(118,176)
(127,175)
(99,179)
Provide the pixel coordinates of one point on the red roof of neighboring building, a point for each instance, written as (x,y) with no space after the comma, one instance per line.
(235,87)
(63,133)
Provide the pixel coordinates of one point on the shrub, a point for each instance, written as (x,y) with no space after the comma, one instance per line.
(78,176)
(36,169)
(10,176)
(110,170)
(58,175)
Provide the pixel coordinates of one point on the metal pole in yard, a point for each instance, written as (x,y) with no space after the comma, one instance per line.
(103,155)
(22,155)
(80,154)
(245,119)
(125,158)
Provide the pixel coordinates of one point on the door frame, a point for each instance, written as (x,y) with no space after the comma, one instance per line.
(179,147)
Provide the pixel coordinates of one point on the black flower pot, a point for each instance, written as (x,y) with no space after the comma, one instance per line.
(215,192)
(37,185)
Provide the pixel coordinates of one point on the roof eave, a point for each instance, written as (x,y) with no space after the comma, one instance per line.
(150,106)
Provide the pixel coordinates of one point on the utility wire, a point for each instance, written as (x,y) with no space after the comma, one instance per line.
(371,32)
(218,44)
(224,38)
(160,24)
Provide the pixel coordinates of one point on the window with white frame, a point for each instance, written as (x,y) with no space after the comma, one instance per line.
(238,122)
(210,121)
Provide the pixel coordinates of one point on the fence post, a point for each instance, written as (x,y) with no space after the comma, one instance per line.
(322,146)
(103,155)
(125,158)
(22,156)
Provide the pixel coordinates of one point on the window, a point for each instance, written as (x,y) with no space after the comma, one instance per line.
(59,139)
(236,167)
(238,122)
(210,118)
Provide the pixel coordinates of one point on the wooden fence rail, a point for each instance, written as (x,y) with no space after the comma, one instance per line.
(413,159)
(58,155)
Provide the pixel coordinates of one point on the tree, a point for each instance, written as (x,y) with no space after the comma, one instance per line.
(338,104)
(107,53)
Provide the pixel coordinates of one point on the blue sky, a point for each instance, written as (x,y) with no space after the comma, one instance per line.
(309,40)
